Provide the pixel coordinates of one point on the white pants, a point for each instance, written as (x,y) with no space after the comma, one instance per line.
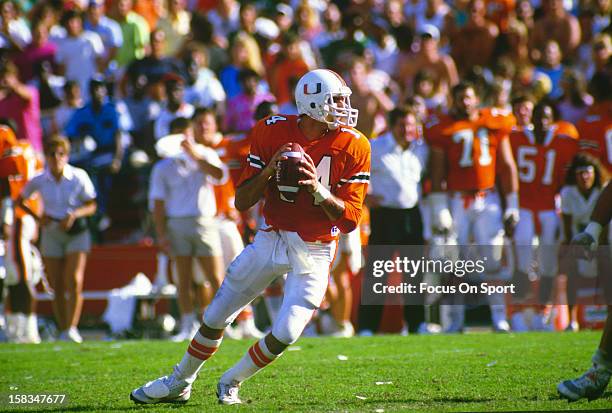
(547,240)
(478,220)
(271,255)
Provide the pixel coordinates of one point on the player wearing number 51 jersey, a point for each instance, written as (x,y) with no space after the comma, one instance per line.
(299,237)
(543,153)
(468,147)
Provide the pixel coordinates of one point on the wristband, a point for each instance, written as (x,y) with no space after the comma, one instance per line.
(594,230)
(321,194)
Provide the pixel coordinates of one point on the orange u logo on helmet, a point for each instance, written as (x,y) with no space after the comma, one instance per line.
(317,91)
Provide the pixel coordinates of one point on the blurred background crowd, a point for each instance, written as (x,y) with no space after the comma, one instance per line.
(156,60)
(113,76)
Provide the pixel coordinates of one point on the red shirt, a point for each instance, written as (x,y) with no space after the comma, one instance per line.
(596,134)
(542,167)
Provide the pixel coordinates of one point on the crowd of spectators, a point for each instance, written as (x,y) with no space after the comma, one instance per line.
(111,75)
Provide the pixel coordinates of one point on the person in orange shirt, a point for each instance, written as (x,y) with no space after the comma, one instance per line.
(18,164)
(466,146)
(543,153)
(596,128)
(298,237)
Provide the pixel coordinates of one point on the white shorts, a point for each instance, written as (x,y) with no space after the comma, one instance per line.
(478,220)
(349,245)
(271,255)
(527,236)
(194,237)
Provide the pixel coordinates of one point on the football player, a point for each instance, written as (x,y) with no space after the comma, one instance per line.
(18,164)
(596,128)
(466,146)
(543,152)
(593,383)
(298,237)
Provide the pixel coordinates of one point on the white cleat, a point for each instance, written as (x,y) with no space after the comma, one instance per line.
(228,393)
(590,385)
(501,326)
(166,389)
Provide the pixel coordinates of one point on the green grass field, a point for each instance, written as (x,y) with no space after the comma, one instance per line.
(468,372)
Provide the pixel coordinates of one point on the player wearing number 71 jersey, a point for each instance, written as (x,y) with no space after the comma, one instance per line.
(299,237)
(543,153)
(466,147)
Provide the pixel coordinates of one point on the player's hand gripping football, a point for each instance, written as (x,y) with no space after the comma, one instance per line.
(273,165)
(309,170)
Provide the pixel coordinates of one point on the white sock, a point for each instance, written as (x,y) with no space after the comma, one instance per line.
(200,349)
(32,328)
(256,358)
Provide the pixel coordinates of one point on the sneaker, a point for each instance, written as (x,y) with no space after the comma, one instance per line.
(167,389)
(74,335)
(572,327)
(590,385)
(429,328)
(501,326)
(71,335)
(346,330)
(366,333)
(228,393)
(249,329)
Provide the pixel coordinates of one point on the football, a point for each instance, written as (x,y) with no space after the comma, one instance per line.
(287,173)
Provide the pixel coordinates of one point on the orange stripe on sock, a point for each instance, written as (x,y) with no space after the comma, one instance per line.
(255,359)
(260,354)
(195,353)
(202,348)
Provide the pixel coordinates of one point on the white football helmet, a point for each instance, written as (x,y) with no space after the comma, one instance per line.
(314,97)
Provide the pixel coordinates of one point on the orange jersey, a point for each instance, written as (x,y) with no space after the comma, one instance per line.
(233,151)
(596,134)
(19,164)
(342,158)
(542,167)
(225,193)
(470,148)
